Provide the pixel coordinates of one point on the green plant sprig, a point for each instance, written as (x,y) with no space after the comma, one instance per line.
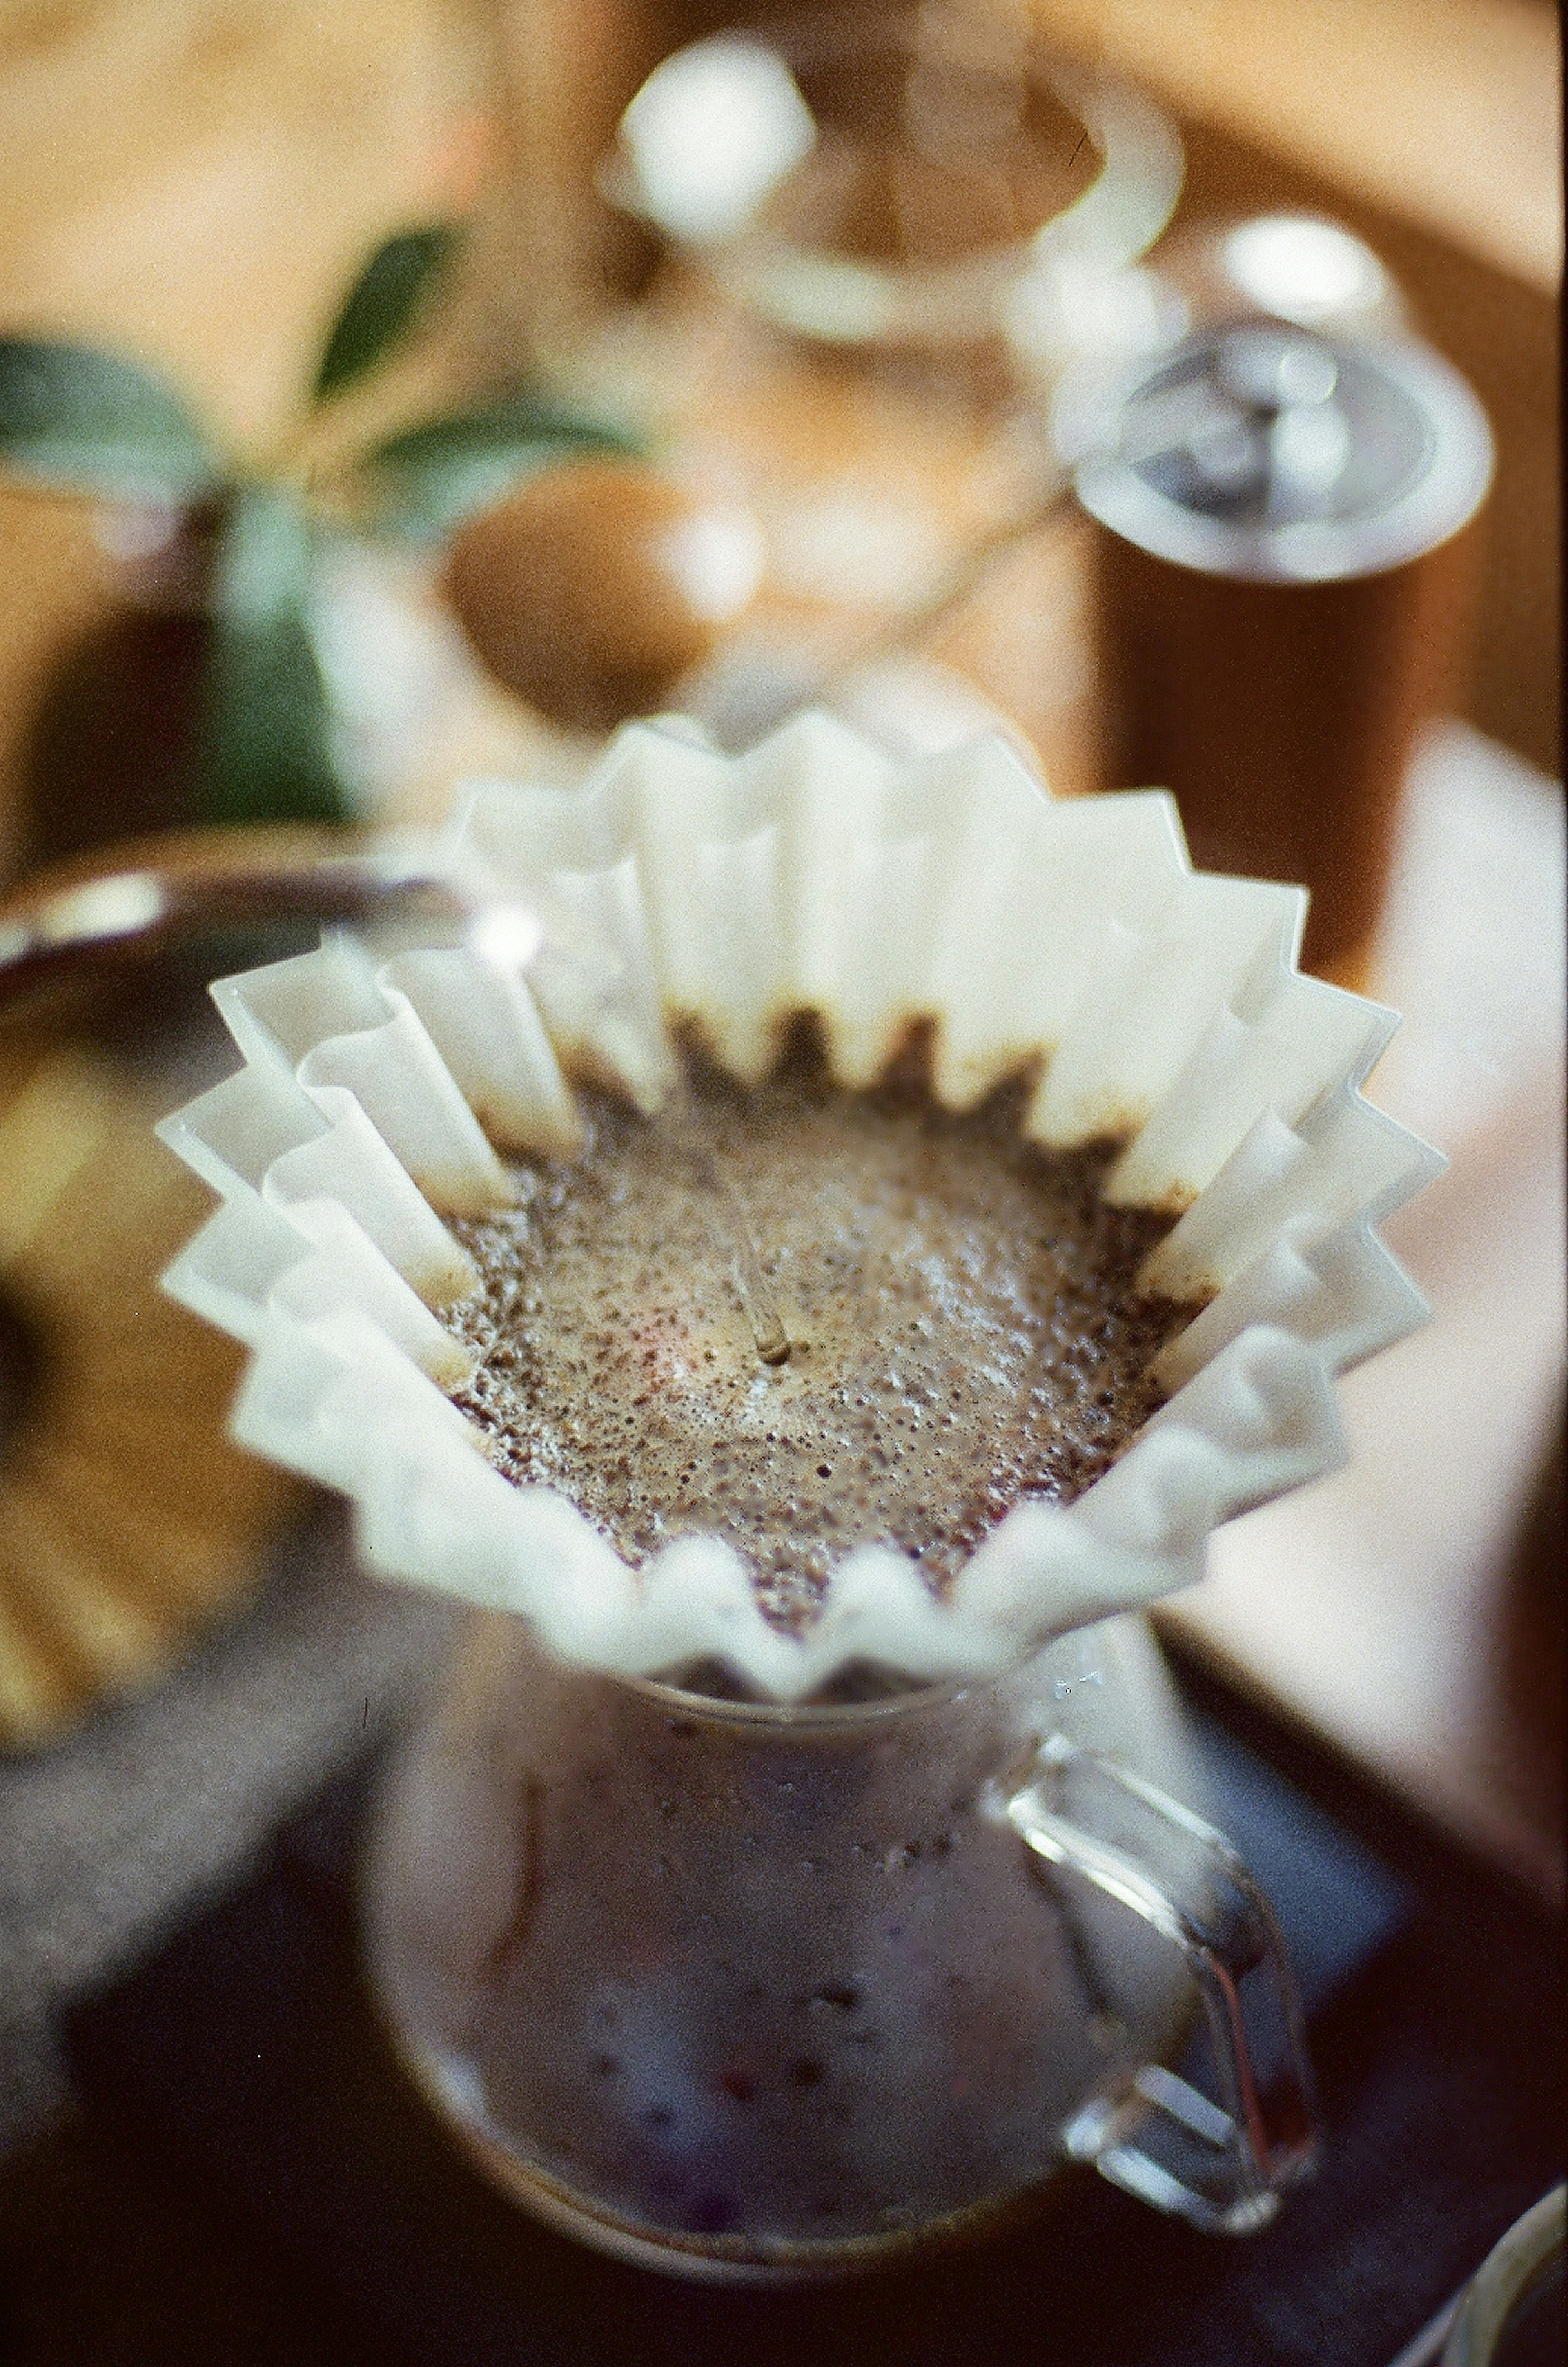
(79,421)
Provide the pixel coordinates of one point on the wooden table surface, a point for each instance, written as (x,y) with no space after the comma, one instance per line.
(1384,1606)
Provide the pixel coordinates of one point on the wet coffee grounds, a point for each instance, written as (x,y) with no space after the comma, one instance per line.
(965,1328)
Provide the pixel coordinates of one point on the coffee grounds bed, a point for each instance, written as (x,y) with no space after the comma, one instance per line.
(965,1330)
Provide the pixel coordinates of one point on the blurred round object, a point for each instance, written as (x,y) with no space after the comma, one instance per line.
(1065,313)
(709,136)
(1272,453)
(1514,2312)
(1299,268)
(594,588)
(127,1521)
(1284,585)
(110,749)
(416,713)
(111,741)
(899,176)
(1295,267)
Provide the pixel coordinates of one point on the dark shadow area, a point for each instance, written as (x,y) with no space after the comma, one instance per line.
(240,2083)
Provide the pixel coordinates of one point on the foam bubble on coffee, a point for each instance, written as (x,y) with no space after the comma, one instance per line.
(963,1323)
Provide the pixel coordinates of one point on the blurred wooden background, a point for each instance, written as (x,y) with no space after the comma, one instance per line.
(1430,127)
(195,181)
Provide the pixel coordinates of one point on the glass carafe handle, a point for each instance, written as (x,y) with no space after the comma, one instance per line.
(1219,2159)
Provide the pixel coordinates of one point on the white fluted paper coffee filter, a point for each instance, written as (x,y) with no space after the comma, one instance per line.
(815,873)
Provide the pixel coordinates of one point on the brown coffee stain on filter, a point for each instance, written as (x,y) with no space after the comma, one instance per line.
(127,1522)
(596,586)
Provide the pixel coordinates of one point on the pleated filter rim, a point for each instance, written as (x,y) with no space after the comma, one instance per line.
(1163,1007)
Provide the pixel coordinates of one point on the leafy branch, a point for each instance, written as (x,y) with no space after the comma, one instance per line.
(81,421)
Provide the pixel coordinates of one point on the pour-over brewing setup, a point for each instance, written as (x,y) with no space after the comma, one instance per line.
(699,1977)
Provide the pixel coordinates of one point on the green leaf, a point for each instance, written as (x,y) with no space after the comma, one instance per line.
(94,422)
(266,744)
(432,476)
(262,570)
(383,307)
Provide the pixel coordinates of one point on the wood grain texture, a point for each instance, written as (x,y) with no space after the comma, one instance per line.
(1385,1606)
(1444,112)
(196,182)
(127,1522)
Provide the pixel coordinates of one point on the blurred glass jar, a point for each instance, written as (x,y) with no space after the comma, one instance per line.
(910,181)
(887,235)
